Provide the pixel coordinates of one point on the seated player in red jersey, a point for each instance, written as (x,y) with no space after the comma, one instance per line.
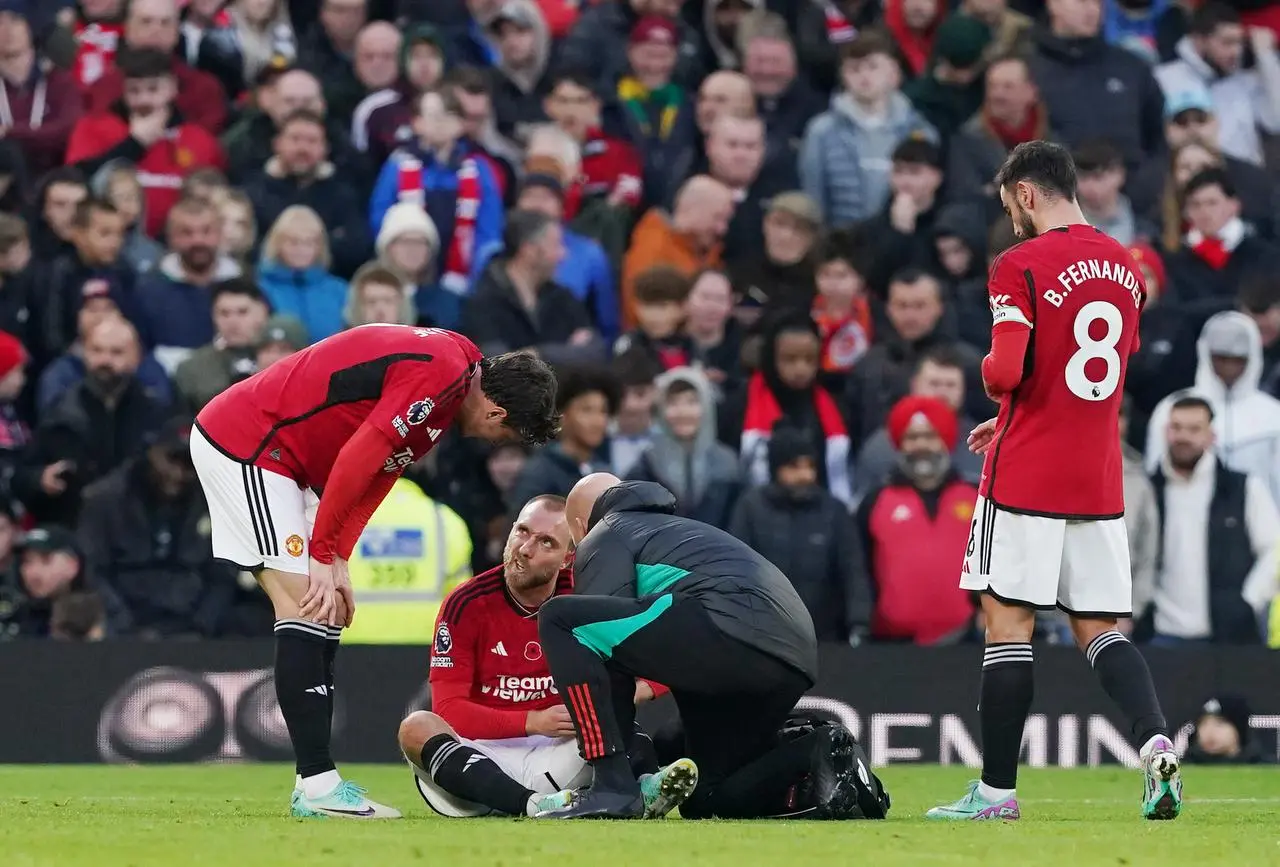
(294,461)
(1048,527)
(501,739)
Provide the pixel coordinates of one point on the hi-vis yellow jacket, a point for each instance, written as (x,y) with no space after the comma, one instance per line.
(412,553)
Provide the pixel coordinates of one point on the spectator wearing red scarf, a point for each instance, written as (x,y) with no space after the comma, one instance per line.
(784,393)
(1218,253)
(913,25)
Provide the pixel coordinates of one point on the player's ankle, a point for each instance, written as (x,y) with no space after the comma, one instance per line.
(995,794)
(319,785)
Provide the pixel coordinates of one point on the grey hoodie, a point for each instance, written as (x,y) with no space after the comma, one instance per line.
(1246,421)
(704,476)
(847,155)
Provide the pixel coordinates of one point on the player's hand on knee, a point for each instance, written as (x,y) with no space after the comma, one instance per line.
(346,597)
(317,604)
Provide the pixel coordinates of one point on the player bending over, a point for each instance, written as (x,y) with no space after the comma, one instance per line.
(1048,528)
(344,417)
(501,739)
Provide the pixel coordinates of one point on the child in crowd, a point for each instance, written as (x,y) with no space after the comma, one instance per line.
(660,294)
(840,308)
(847,152)
(709,324)
(684,457)
(632,427)
(807,533)
(785,392)
(409,245)
(294,273)
(117,182)
(239,226)
(378,294)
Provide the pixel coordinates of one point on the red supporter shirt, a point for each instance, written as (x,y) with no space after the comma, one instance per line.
(487,670)
(345,417)
(1056,450)
(162,167)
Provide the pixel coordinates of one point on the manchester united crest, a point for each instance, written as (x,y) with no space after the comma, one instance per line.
(293,545)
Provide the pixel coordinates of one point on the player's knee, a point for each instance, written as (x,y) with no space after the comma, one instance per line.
(284,589)
(1007,623)
(418,728)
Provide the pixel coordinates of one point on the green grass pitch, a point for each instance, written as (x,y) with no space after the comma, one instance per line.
(235,815)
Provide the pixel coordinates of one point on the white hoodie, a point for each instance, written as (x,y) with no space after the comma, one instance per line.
(1246,421)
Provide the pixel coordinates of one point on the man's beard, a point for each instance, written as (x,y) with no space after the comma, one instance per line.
(1183,458)
(199,259)
(1028,227)
(523,579)
(925,466)
(107,379)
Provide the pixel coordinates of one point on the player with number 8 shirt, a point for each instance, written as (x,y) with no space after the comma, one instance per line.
(1048,528)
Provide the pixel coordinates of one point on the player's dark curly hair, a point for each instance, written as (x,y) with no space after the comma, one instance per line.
(525,386)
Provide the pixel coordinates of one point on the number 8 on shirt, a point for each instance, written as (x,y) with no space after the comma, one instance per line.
(1048,529)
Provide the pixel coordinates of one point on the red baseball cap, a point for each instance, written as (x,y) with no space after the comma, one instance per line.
(654,29)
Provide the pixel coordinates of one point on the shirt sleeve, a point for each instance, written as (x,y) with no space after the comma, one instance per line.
(453,673)
(362,475)
(1009,294)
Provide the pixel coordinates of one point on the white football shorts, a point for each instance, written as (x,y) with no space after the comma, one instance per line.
(1081,567)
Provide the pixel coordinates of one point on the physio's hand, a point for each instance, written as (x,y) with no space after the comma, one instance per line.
(644,692)
(981,436)
(318,603)
(554,722)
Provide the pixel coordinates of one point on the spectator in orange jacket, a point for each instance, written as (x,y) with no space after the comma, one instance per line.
(153,24)
(146,129)
(913,530)
(688,239)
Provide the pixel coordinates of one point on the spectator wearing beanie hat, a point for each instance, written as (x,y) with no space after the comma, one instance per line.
(951,91)
(914,530)
(803,530)
(585,269)
(653,111)
(597,44)
(1221,735)
(409,244)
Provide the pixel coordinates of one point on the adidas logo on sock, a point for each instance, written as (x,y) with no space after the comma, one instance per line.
(318,690)
(498,649)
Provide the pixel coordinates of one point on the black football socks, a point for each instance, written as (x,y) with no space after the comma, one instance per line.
(1126,678)
(469,774)
(303,689)
(1007,688)
(334,638)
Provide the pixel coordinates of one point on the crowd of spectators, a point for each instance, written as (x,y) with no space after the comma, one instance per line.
(752,235)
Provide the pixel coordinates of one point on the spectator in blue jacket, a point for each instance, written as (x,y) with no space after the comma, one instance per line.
(175,298)
(294,273)
(100,302)
(845,159)
(585,269)
(459,192)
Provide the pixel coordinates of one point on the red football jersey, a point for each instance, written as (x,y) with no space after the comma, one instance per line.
(1056,450)
(294,417)
(487,670)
